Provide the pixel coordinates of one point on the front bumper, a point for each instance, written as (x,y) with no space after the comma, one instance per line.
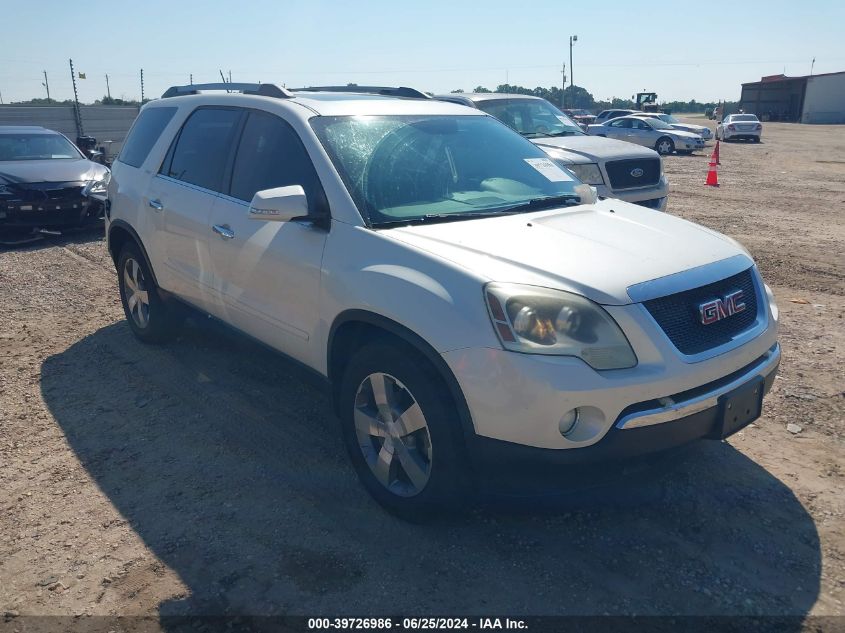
(688,145)
(24,216)
(635,439)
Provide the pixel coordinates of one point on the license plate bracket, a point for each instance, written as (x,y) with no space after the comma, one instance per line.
(740,407)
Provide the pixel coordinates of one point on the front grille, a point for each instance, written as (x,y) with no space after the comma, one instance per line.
(678,314)
(619,172)
(40,192)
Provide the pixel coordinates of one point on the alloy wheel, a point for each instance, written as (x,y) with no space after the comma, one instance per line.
(393,434)
(137,295)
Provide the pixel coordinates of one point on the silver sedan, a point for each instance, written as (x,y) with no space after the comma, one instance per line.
(703,131)
(652,133)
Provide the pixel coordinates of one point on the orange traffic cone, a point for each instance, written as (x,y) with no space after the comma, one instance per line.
(712,175)
(715,157)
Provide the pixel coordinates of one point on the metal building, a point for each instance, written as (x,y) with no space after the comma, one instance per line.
(807,99)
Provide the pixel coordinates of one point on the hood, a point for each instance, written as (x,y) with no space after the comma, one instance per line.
(597,251)
(56,170)
(680,133)
(582,149)
(690,127)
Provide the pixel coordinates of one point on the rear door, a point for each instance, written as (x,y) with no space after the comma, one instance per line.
(184,192)
(267,273)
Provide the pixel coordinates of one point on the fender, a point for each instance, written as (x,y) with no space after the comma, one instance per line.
(414,340)
(122,224)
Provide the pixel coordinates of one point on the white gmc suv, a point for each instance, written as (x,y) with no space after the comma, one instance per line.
(478,315)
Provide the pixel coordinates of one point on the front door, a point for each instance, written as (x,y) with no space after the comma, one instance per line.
(267,273)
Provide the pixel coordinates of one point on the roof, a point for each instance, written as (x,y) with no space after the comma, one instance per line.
(782,78)
(29,129)
(487,96)
(327,103)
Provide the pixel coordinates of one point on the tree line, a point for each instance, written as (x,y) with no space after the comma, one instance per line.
(571,97)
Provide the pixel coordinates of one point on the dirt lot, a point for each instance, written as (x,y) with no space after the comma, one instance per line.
(206,477)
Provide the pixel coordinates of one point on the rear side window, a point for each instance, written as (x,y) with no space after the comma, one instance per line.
(144,134)
(271,155)
(203,148)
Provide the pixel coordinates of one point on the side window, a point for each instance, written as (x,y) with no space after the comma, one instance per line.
(641,125)
(144,133)
(271,155)
(623,123)
(203,147)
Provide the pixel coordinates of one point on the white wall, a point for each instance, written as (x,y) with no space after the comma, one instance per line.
(824,101)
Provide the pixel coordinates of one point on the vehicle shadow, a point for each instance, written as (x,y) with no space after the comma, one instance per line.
(230,469)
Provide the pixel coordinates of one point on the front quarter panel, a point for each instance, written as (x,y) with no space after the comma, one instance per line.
(365,269)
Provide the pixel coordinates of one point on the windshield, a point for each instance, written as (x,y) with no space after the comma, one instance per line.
(24,146)
(744,117)
(531,117)
(657,124)
(416,168)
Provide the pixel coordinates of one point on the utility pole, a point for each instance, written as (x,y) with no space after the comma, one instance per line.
(108,90)
(813,63)
(192,78)
(47,85)
(230,76)
(572,39)
(142,86)
(78,115)
(562,85)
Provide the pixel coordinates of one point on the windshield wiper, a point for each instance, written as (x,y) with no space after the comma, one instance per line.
(549,202)
(434,218)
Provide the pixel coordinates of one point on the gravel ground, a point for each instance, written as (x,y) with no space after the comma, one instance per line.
(206,477)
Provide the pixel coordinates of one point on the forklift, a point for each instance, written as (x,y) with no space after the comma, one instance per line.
(647,102)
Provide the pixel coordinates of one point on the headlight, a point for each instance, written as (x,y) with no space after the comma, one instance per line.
(588,173)
(98,189)
(536,320)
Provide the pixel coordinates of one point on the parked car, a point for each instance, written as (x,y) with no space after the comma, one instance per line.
(607,115)
(477,315)
(617,170)
(650,133)
(740,127)
(46,184)
(581,116)
(702,130)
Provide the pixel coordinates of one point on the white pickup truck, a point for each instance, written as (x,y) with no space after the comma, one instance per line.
(615,168)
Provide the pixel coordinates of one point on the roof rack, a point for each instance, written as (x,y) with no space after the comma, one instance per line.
(265,90)
(387,91)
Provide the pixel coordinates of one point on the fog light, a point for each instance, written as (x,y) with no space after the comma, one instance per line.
(568,422)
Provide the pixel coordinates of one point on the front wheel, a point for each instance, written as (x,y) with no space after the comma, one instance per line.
(664,146)
(402,431)
(149,317)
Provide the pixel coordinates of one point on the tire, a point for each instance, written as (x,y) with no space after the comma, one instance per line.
(664,146)
(425,472)
(150,318)
(756,139)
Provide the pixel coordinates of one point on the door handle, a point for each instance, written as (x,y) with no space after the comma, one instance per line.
(223,231)
(156,204)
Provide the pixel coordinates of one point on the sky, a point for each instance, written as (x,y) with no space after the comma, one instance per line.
(699,49)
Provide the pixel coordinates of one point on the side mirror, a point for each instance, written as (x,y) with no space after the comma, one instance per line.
(281,204)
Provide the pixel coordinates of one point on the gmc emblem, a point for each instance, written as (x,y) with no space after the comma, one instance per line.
(718,309)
